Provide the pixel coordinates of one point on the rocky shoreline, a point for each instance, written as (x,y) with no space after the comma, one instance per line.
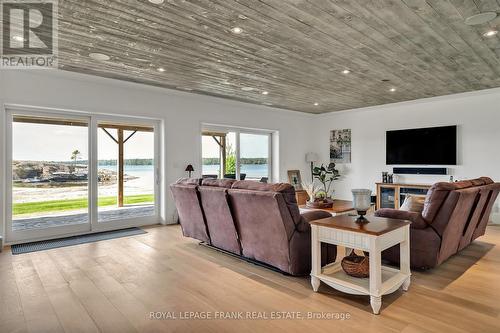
(57,174)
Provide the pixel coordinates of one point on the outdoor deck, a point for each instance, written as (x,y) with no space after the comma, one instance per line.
(71,219)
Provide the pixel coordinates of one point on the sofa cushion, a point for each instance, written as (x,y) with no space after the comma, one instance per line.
(190,211)
(438,193)
(286,190)
(189,181)
(220,223)
(258,186)
(225,183)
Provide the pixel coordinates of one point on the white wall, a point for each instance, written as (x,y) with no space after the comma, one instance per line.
(477,115)
(182,114)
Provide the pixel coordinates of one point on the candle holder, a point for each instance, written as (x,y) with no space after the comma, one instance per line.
(361,202)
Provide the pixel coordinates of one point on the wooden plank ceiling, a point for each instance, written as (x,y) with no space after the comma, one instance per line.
(295,50)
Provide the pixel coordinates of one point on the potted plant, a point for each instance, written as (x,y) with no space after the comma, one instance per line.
(326,176)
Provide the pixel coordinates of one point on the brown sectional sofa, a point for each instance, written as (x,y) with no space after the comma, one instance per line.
(454,215)
(258,221)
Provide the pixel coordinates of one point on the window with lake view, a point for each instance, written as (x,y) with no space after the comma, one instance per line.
(227,154)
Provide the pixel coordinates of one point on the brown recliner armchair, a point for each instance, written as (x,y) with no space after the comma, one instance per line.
(254,220)
(454,215)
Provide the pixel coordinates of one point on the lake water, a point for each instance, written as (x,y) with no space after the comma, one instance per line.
(145,173)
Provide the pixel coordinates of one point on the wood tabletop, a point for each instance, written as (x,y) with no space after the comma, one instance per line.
(373,225)
(339,206)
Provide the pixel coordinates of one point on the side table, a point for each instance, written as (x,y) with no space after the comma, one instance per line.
(373,236)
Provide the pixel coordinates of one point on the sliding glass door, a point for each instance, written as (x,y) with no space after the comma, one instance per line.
(236,154)
(48,176)
(126,171)
(70,174)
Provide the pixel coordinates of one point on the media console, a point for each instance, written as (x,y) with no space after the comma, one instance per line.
(392,195)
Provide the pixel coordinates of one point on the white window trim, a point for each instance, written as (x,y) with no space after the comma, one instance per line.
(272,175)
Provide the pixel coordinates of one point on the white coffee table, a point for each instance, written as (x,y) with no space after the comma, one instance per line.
(374,236)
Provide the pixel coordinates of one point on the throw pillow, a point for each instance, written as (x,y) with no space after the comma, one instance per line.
(413,203)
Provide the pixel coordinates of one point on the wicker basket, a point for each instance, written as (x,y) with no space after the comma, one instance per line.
(356,266)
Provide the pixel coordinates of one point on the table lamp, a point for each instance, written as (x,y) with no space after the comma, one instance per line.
(189,169)
(311,158)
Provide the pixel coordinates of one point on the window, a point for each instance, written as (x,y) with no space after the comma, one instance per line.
(237,154)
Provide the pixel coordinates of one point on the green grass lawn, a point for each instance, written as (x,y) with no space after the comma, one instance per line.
(73,204)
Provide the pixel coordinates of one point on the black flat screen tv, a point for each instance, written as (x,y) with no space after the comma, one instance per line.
(422,146)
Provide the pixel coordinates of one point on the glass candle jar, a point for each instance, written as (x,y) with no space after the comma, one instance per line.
(361,200)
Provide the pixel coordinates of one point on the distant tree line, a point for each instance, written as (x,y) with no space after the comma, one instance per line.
(246,161)
(131,161)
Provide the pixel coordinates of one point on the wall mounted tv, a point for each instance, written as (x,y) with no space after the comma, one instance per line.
(422,146)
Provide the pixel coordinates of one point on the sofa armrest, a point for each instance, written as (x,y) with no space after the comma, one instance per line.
(310,216)
(315,215)
(416,219)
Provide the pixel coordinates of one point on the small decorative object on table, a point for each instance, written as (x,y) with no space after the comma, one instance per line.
(384,177)
(390,178)
(295,179)
(356,266)
(361,202)
(326,176)
(189,169)
(311,190)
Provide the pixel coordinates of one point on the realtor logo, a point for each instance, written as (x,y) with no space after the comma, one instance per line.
(29,34)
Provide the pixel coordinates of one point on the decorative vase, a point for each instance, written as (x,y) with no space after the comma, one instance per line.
(361,201)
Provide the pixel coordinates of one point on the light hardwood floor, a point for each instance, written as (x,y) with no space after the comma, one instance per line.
(112,286)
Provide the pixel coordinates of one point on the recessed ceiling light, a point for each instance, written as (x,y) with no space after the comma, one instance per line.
(316,104)
(346,71)
(160,69)
(490,33)
(480,18)
(157,2)
(99,56)
(247,88)
(18,38)
(237,30)
(392,89)
(265,92)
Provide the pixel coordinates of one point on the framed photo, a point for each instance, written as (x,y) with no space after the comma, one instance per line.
(295,179)
(340,146)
